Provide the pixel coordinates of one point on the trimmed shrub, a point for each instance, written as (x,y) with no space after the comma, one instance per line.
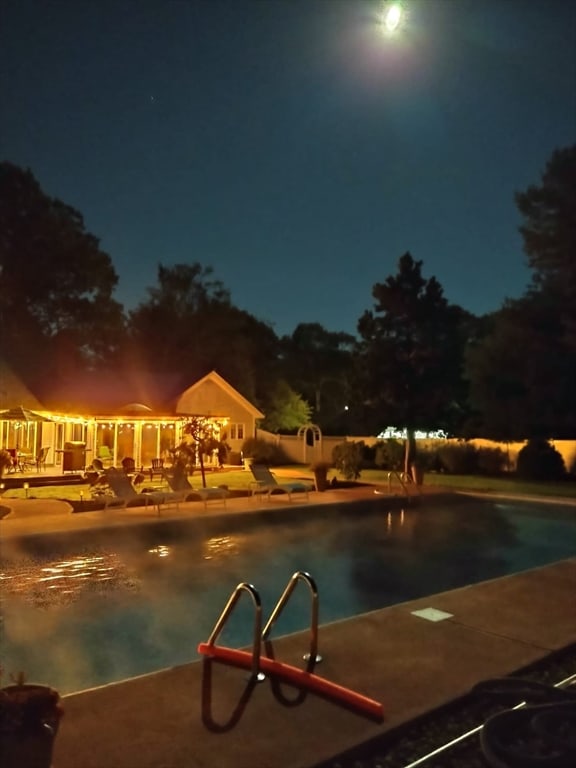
(234,458)
(389,454)
(368,455)
(5,461)
(458,458)
(347,459)
(491,461)
(429,459)
(539,460)
(263,452)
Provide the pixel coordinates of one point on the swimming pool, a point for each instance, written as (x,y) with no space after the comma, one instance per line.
(80,611)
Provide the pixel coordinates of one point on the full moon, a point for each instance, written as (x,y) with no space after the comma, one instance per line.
(392,17)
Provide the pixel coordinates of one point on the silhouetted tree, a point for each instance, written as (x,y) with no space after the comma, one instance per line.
(523,372)
(411,355)
(319,364)
(188,325)
(522,375)
(57,314)
(549,228)
(204,434)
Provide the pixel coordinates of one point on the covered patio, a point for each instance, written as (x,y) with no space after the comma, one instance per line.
(72,442)
(69,439)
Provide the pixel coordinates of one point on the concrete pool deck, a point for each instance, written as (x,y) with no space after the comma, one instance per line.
(202,715)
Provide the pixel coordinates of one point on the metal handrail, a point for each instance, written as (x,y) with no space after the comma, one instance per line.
(281,604)
(401,478)
(405,479)
(228,608)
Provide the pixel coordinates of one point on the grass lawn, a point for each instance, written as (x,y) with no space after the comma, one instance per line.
(239,479)
(483,484)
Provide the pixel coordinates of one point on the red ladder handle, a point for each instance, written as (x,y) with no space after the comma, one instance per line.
(297,677)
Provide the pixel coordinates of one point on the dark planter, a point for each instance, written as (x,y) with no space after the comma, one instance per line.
(321,478)
(29,720)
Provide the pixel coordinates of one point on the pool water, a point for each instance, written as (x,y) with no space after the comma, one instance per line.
(79,611)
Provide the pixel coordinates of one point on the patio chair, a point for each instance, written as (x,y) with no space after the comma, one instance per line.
(128,465)
(41,457)
(157,468)
(265,483)
(179,483)
(94,475)
(13,467)
(105,454)
(123,489)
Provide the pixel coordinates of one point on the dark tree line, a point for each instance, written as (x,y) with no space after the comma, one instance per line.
(418,361)
(522,370)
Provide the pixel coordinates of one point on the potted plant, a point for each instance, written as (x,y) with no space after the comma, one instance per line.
(5,461)
(29,720)
(320,470)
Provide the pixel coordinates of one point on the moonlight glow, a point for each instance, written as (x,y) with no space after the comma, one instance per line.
(392,17)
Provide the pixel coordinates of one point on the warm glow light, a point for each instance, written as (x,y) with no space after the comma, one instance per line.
(221,546)
(161,550)
(392,17)
(402,434)
(59,582)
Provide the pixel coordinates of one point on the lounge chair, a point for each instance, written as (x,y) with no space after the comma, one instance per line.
(265,483)
(123,489)
(179,483)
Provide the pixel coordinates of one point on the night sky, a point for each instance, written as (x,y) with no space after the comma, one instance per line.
(291,145)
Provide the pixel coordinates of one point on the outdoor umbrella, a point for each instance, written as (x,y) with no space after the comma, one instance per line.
(22,414)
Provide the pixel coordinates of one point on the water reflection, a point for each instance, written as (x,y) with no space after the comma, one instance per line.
(161,550)
(421,553)
(395,521)
(64,581)
(222,546)
(138,600)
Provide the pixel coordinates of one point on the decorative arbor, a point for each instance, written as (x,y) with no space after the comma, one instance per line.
(311,437)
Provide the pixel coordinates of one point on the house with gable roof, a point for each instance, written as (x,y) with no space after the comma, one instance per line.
(126,426)
(213,397)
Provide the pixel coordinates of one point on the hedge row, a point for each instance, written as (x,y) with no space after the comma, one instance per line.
(538,459)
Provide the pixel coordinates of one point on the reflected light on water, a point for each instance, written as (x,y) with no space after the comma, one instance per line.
(162,550)
(221,546)
(392,522)
(63,581)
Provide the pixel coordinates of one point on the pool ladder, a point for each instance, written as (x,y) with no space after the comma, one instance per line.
(405,480)
(304,679)
(261,635)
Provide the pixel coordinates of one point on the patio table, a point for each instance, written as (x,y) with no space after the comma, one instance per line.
(24,460)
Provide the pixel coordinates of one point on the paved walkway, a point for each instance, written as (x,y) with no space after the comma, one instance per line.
(207,715)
